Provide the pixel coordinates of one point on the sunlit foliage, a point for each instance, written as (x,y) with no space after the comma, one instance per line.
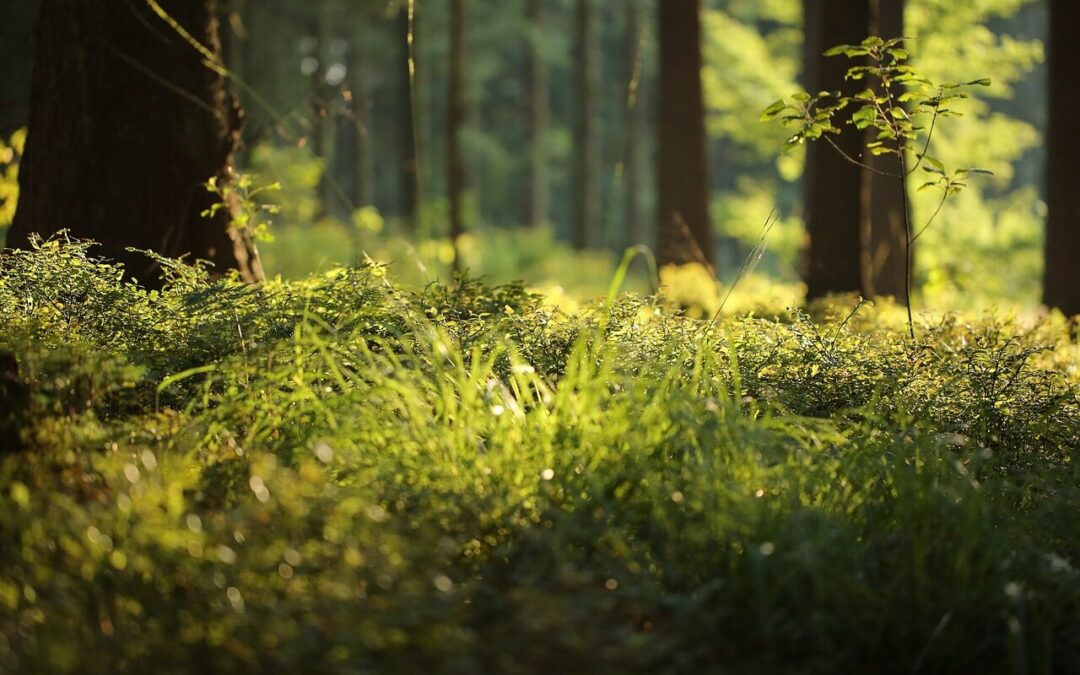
(341,475)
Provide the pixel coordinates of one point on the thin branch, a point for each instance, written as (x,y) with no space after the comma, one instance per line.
(908,242)
(856,162)
(944,196)
(926,145)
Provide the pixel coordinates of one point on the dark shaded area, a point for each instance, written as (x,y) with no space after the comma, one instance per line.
(1061,280)
(18,19)
(14,399)
(127,124)
(883,207)
(833,183)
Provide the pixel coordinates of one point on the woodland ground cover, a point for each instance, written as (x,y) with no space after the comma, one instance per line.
(341,474)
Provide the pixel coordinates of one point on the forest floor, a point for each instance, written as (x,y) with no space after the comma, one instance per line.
(342,475)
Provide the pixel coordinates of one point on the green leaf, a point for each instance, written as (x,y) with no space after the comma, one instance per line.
(864,117)
(935,163)
(774,110)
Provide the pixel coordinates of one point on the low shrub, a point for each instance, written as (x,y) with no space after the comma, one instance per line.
(340,474)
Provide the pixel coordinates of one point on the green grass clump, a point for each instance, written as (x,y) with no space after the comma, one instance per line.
(341,475)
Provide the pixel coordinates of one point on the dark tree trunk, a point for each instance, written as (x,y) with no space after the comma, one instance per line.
(538,116)
(1061,283)
(455,165)
(324,126)
(363,164)
(586,211)
(832,184)
(127,123)
(685,232)
(635,127)
(17,21)
(409,185)
(883,198)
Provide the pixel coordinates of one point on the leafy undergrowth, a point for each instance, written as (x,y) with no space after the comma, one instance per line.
(342,476)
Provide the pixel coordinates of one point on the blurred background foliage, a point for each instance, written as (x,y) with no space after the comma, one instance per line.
(333,116)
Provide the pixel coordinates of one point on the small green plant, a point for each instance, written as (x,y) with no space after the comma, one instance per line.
(901,108)
(239,197)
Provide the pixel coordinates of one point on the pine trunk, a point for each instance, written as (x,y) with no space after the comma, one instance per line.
(883,198)
(538,117)
(586,212)
(1061,283)
(127,124)
(360,85)
(832,183)
(408,176)
(635,113)
(455,165)
(685,231)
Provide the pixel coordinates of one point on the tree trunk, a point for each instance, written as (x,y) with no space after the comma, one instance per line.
(324,127)
(538,116)
(685,231)
(833,184)
(586,212)
(363,165)
(455,166)
(17,20)
(1061,282)
(409,190)
(635,127)
(884,267)
(127,123)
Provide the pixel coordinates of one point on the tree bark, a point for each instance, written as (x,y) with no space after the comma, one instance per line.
(685,230)
(17,21)
(127,123)
(363,164)
(885,238)
(325,123)
(1061,280)
(409,186)
(538,116)
(833,184)
(586,209)
(635,113)
(455,165)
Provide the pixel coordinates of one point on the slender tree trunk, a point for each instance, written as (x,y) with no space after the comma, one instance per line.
(538,116)
(235,46)
(363,166)
(685,231)
(455,166)
(884,267)
(586,209)
(409,178)
(325,126)
(635,125)
(832,184)
(127,123)
(1061,282)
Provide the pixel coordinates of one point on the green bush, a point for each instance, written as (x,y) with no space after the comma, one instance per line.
(340,474)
